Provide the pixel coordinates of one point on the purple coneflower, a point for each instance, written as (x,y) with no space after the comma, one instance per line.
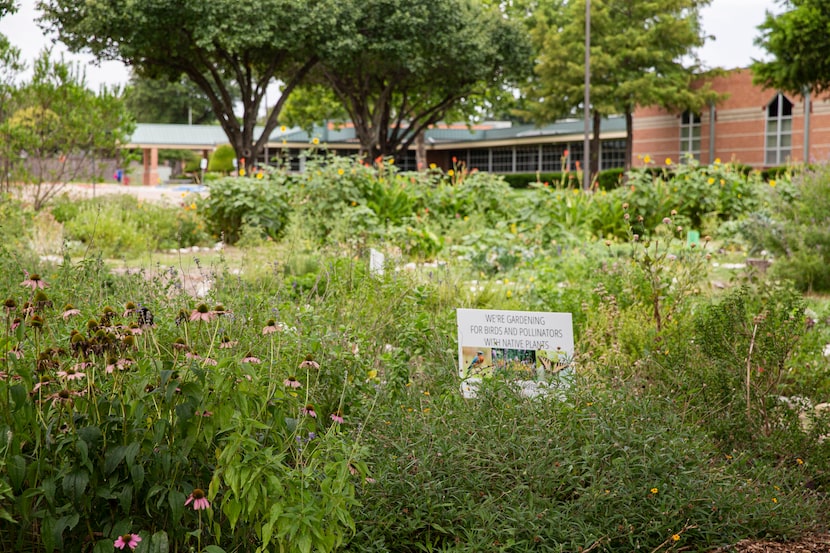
(33,281)
(337,417)
(197,497)
(202,313)
(227,343)
(309,363)
(291,382)
(127,540)
(251,359)
(271,327)
(69,311)
(308,410)
(71,374)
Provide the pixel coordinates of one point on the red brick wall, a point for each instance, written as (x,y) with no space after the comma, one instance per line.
(740,122)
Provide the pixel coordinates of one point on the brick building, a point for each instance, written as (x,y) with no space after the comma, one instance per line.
(755,126)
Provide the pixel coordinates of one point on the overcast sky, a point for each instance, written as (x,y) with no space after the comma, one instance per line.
(733,23)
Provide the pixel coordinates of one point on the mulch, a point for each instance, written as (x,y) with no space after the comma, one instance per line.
(817,543)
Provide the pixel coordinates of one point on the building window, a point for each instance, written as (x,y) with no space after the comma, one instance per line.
(480,159)
(527,159)
(690,134)
(553,157)
(612,154)
(779,133)
(502,160)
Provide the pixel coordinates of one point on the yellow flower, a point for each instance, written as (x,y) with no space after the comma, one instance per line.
(775,500)
(282,128)
(315,140)
(259,176)
(426,409)
(372,374)
(340,171)
(193,206)
(509,294)
(184,194)
(717,161)
(653,490)
(450,172)
(432,166)
(426,392)
(722,182)
(668,161)
(711,180)
(576,190)
(800,461)
(647,159)
(772,183)
(242,172)
(675,537)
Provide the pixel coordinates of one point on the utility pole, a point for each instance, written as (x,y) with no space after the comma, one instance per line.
(586,158)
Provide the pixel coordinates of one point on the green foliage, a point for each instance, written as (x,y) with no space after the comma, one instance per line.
(795,229)
(237,201)
(794,38)
(524,180)
(611,471)
(692,191)
(747,339)
(386,59)
(62,126)
(631,62)
(221,159)
(172,102)
(114,424)
(121,226)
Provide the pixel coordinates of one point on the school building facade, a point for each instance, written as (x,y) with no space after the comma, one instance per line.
(752,125)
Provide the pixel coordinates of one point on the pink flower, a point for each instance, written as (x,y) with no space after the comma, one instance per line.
(70,312)
(291,382)
(308,410)
(309,363)
(33,281)
(251,359)
(272,326)
(127,540)
(227,343)
(72,374)
(209,361)
(197,497)
(202,313)
(337,417)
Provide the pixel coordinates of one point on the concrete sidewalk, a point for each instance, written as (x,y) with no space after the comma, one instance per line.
(166,194)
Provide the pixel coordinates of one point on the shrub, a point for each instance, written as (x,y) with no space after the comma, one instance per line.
(221,160)
(236,201)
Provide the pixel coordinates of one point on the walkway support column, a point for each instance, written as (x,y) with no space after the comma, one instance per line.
(151,167)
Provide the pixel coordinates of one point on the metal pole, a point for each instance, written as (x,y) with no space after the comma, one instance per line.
(586,158)
(807,110)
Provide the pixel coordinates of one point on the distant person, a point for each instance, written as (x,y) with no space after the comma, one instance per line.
(119,175)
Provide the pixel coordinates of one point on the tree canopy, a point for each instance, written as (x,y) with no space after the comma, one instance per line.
(642,54)
(57,128)
(166,101)
(400,66)
(799,41)
(221,46)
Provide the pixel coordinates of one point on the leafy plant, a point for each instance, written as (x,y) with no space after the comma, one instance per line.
(234,201)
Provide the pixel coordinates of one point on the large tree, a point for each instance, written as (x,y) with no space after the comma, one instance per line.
(218,44)
(642,54)
(400,66)
(799,41)
(165,101)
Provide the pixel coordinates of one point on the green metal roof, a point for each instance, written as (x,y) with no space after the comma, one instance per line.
(208,136)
